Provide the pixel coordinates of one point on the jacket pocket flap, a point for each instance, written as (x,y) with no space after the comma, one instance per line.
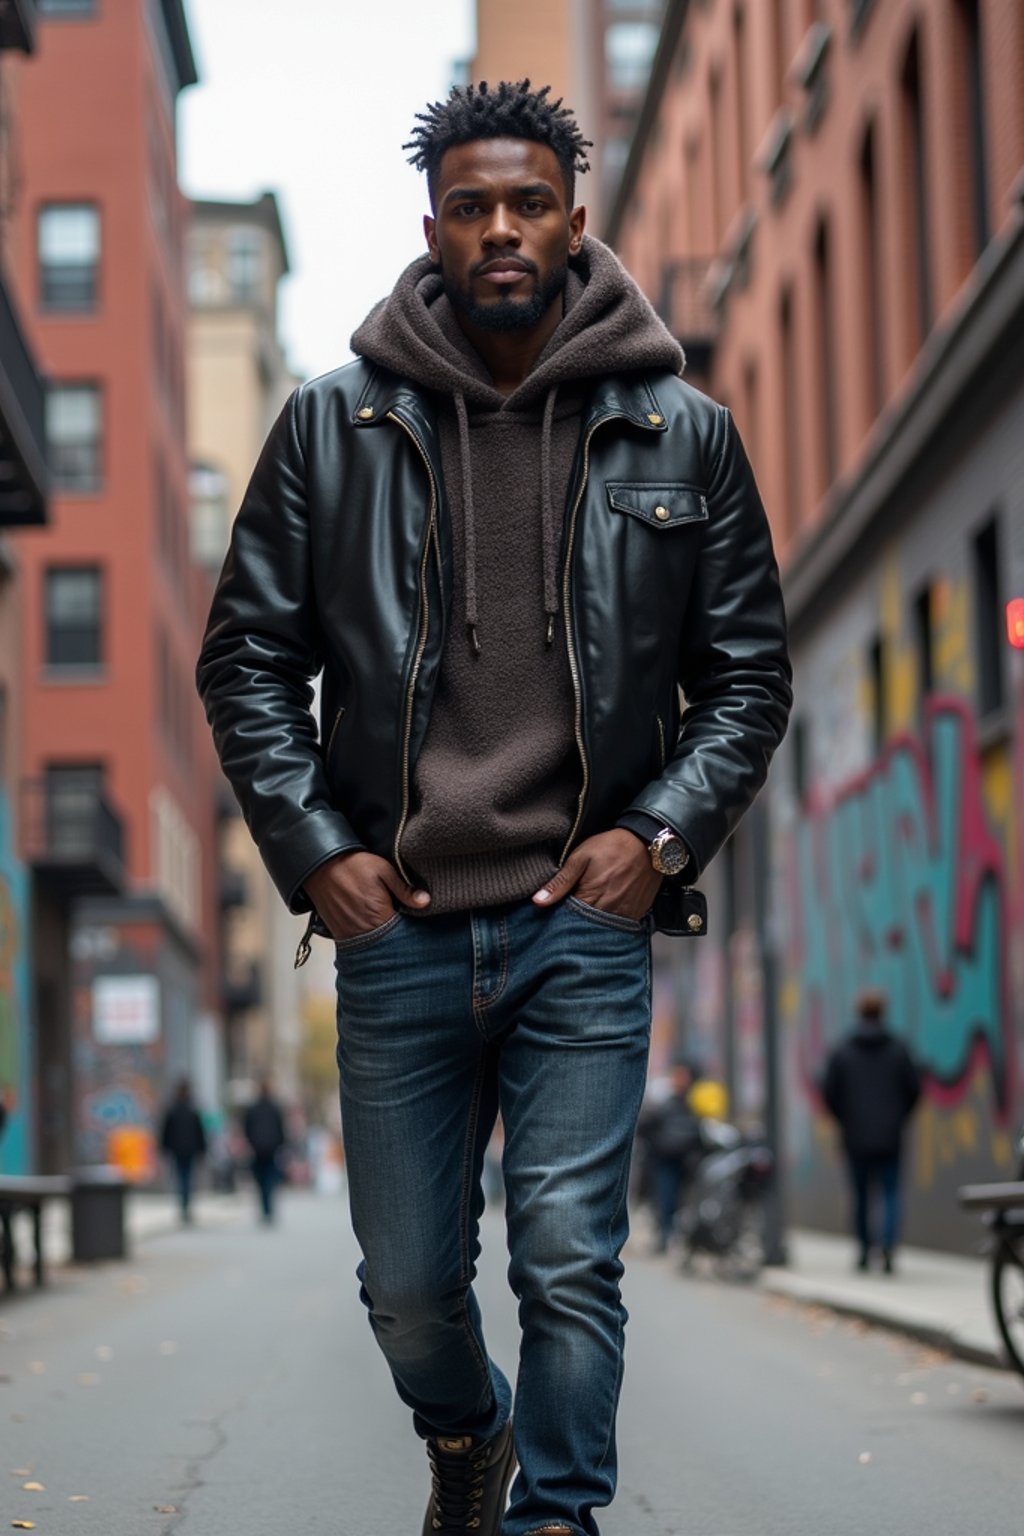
(662,506)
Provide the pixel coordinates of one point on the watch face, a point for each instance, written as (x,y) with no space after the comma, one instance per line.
(671,856)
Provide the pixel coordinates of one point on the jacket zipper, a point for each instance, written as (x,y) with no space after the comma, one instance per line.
(570,643)
(661,741)
(421,643)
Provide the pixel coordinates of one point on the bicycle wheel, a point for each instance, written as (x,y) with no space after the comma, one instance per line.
(1008,1297)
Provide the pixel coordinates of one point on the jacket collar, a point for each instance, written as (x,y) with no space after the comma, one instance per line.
(629,396)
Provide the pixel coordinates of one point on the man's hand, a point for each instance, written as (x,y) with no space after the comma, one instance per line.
(612,871)
(358,891)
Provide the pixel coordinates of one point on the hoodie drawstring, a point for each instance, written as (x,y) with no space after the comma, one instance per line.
(469,522)
(547,519)
(549,531)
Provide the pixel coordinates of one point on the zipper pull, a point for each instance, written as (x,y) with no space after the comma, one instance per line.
(305,948)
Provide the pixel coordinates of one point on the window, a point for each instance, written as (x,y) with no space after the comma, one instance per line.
(918,272)
(73,604)
(826,354)
(68,245)
(743,148)
(989,628)
(67,7)
(210,517)
(245,264)
(74,430)
(628,50)
(970,110)
(924,641)
(790,443)
(871,260)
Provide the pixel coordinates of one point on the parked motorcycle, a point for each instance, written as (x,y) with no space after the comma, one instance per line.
(722,1212)
(1002,1208)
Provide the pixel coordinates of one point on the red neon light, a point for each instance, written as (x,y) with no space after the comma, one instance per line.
(1015,622)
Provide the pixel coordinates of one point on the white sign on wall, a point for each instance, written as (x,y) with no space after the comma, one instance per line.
(126,1010)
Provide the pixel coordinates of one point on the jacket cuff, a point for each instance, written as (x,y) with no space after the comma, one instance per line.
(295,852)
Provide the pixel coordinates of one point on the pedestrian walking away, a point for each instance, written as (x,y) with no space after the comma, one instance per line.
(265,1133)
(871,1086)
(183,1138)
(669,1131)
(511,536)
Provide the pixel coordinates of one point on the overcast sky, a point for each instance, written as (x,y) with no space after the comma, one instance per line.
(314,100)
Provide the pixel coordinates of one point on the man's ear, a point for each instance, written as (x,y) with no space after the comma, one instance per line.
(430,233)
(577,224)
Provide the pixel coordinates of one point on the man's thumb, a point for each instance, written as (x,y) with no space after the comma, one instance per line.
(561,882)
(402,892)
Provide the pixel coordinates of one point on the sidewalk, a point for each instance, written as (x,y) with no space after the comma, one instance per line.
(939,1298)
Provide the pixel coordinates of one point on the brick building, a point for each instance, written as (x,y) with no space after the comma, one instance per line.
(117,794)
(595,53)
(824,198)
(24,493)
(238,380)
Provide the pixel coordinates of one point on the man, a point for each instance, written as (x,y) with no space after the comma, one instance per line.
(508,532)
(670,1132)
(264,1131)
(183,1138)
(871,1086)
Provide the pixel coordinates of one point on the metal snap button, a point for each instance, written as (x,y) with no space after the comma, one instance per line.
(654,419)
(694,923)
(662,514)
(366,414)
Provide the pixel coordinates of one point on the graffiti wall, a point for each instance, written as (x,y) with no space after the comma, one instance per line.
(901,868)
(15,1034)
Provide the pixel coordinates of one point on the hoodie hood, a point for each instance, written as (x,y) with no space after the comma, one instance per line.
(607,327)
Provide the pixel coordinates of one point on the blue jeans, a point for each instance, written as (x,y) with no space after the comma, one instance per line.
(865,1173)
(544,1014)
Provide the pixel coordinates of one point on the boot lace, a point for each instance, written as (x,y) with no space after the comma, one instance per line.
(458,1487)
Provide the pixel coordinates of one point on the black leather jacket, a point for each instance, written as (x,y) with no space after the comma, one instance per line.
(341,558)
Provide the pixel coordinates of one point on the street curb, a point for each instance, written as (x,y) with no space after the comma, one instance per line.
(943,1339)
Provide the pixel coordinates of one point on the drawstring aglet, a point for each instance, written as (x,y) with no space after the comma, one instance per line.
(551,629)
(474,639)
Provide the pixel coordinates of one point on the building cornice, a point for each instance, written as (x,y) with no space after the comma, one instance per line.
(263,210)
(676,12)
(181,43)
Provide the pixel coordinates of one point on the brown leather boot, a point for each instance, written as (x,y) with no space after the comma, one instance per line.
(471,1479)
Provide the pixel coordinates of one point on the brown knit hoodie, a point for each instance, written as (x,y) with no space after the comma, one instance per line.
(496,779)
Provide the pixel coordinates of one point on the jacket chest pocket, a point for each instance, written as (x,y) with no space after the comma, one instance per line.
(661,507)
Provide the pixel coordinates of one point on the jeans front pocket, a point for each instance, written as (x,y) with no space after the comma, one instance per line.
(617,920)
(372,936)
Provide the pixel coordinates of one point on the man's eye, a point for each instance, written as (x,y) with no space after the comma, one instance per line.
(466,208)
(533,206)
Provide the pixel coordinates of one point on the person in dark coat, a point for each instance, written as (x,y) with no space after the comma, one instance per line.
(871,1086)
(670,1132)
(265,1133)
(183,1139)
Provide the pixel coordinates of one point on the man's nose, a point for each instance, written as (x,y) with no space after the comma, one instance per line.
(501,229)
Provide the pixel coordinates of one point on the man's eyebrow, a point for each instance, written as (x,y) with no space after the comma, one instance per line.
(477,194)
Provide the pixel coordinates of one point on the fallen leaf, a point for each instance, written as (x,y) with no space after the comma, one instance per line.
(21,1472)
(78,1498)
(23,1525)
(166,1509)
(864,1458)
(33,1487)
(37,1367)
(88,1379)
(979,1395)
(104,1352)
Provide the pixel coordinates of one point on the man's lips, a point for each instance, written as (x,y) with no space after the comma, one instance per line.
(504,273)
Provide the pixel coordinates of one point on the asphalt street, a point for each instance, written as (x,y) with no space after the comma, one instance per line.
(224,1383)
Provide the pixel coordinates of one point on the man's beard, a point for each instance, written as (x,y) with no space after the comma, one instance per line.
(508,313)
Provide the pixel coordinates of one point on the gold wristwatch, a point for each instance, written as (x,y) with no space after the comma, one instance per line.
(668,853)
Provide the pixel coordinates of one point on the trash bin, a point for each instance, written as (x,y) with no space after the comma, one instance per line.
(98,1215)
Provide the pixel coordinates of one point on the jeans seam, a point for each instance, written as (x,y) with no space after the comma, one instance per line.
(481,1004)
(619,1202)
(364,940)
(467,1166)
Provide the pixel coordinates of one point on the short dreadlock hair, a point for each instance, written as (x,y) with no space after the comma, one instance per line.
(506,112)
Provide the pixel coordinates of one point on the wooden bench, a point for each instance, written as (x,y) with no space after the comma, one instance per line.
(26,1193)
